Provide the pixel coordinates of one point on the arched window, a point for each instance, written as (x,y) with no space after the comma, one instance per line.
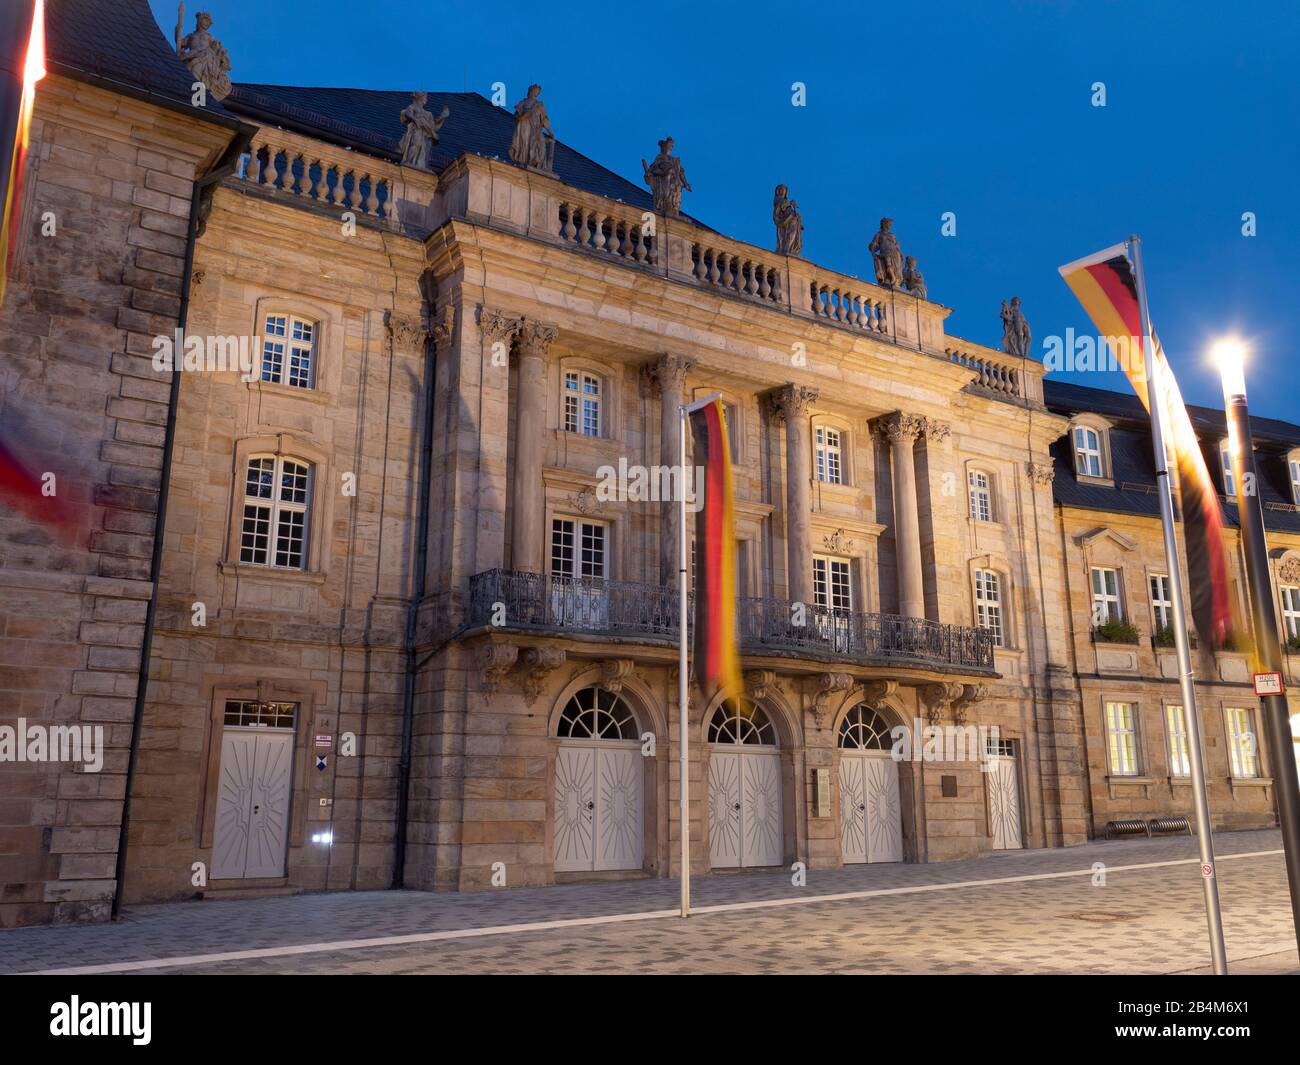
(289,350)
(277,500)
(740,721)
(596,714)
(865,729)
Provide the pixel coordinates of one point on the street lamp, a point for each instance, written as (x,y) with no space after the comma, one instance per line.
(1230,354)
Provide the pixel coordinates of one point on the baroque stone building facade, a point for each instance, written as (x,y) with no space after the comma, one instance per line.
(398,632)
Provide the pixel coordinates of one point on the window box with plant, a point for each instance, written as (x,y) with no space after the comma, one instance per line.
(1293,645)
(1164,637)
(1117,630)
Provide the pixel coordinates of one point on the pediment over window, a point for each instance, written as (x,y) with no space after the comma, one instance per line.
(1104,532)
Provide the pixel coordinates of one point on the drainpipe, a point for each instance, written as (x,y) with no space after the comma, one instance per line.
(224,166)
(412,617)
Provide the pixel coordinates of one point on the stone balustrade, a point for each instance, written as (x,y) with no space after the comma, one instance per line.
(998,372)
(859,306)
(737,269)
(594,225)
(293,166)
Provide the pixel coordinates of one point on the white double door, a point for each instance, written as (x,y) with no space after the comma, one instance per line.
(745,824)
(599,806)
(252,823)
(1002,785)
(871,820)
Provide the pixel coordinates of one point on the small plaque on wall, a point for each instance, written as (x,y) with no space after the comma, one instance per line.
(822,778)
(949,787)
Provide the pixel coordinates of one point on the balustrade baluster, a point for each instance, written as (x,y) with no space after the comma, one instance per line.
(372,201)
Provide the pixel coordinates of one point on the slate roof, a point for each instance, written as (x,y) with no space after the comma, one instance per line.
(369,119)
(1133,464)
(118,41)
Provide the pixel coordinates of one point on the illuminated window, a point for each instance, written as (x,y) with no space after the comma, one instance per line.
(832,586)
(1105,596)
(1087,452)
(988,604)
(1176,728)
(1162,607)
(277,498)
(1121,734)
(1291,611)
(1243,749)
(981,495)
(288,347)
(830,455)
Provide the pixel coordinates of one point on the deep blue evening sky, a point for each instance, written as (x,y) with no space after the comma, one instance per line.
(979,108)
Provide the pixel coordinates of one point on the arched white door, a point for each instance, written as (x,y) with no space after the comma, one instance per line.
(599,816)
(1003,789)
(745,820)
(871,821)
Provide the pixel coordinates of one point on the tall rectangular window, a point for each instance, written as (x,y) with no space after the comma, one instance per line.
(981,495)
(1122,739)
(1162,607)
(1291,611)
(1105,596)
(277,498)
(1087,451)
(288,346)
(578,548)
(988,603)
(1294,467)
(830,455)
(1243,749)
(1229,485)
(1180,764)
(582,403)
(832,585)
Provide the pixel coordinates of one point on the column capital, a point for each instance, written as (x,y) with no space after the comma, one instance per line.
(535,338)
(935,430)
(405,331)
(1040,473)
(899,427)
(792,401)
(496,326)
(671,369)
(442,325)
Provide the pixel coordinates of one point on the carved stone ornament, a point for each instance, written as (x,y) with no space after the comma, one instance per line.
(792,402)
(827,684)
(667,179)
(938,696)
(760,683)
(404,331)
(613,672)
(538,662)
(970,696)
(1289,569)
(206,56)
(442,326)
(421,132)
(670,368)
(935,430)
(535,338)
(495,660)
(886,255)
(586,502)
(1016,337)
(913,279)
(533,144)
(788,222)
(1040,473)
(839,543)
(873,691)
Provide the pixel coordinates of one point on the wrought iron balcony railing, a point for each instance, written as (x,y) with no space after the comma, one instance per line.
(637,609)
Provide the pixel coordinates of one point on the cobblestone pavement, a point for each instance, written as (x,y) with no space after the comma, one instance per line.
(943,918)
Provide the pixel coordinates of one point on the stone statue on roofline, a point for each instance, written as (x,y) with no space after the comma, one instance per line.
(204,54)
(887,256)
(667,179)
(913,278)
(1016,337)
(789,223)
(421,132)
(533,145)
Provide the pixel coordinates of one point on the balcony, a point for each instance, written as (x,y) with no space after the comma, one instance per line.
(648,612)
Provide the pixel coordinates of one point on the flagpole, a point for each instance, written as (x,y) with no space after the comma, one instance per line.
(684,807)
(1164,491)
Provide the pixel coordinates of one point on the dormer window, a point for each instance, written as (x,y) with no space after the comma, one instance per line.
(1225,464)
(1293,468)
(1088,452)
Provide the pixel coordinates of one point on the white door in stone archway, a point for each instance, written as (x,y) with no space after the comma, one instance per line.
(871,822)
(746,826)
(598,806)
(1003,789)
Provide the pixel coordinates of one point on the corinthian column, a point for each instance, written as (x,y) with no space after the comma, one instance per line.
(902,430)
(670,373)
(791,404)
(526,534)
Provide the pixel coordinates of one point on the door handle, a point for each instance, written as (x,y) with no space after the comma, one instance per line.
(735,806)
(862,806)
(256,807)
(591,804)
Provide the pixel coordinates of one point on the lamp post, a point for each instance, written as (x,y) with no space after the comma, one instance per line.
(1268,645)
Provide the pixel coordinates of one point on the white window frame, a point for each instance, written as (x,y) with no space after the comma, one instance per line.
(1225,464)
(288,349)
(1105,596)
(1290,595)
(1243,742)
(583,403)
(830,446)
(1293,467)
(1162,605)
(1123,745)
(988,604)
(979,488)
(1088,453)
(269,513)
(1180,759)
(587,549)
(833,583)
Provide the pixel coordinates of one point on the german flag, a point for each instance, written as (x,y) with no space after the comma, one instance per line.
(1105,284)
(22,65)
(717,663)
